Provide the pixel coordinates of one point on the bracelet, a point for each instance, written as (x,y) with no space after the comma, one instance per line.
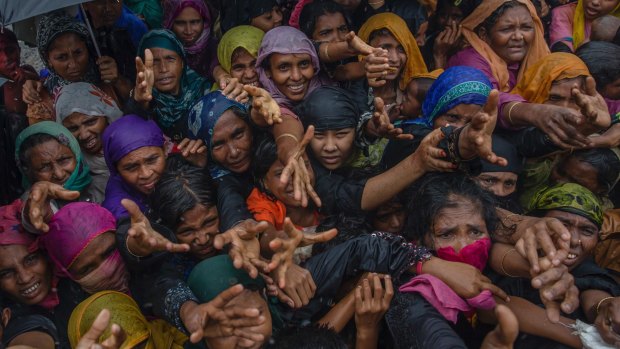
(601,302)
(423,258)
(129,250)
(287,135)
(326,53)
(502,263)
(376,2)
(510,112)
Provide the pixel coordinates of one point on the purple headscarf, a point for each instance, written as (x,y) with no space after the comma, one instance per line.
(172,9)
(72,228)
(123,136)
(286,40)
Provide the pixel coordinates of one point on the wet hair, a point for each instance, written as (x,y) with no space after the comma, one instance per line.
(604,160)
(312,11)
(24,151)
(602,60)
(181,187)
(436,191)
(383,32)
(265,154)
(490,21)
(310,337)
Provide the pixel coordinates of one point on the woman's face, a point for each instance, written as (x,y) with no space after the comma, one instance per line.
(560,93)
(291,73)
(458,225)
(583,236)
(499,183)
(333,148)
(598,8)
(51,161)
(249,300)
(188,26)
(512,34)
(231,144)
(268,20)
(142,168)
(198,228)
(9,58)
(349,5)
(330,27)
(68,57)
(390,218)
(282,192)
(397,58)
(448,15)
(167,70)
(573,170)
(91,257)
(24,277)
(243,67)
(87,130)
(458,116)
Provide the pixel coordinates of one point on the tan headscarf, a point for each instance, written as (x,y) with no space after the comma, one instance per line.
(538,48)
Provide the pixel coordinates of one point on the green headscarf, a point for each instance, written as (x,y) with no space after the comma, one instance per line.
(80,178)
(569,197)
(244,36)
(150,9)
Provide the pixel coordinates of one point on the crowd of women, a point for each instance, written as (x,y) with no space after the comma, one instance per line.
(313,174)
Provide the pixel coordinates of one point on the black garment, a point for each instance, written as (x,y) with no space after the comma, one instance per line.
(116,43)
(11,124)
(232,191)
(29,323)
(412,12)
(177,131)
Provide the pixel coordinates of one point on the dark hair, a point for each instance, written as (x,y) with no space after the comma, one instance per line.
(312,11)
(466,7)
(265,154)
(490,21)
(602,60)
(604,160)
(32,141)
(310,337)
(436,191)
(181,188)
(424,84)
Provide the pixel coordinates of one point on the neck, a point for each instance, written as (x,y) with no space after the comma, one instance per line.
(387,92)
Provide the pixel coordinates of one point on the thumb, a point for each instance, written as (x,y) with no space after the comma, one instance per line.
(64,194)
(350,36)
(260,227)
(591,86)
(252,90)
(491,105)
(39,86)
(507,324)
(379,105)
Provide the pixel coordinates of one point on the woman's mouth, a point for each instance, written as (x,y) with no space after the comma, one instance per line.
(592,13)
(297,88)
(331,160)
(90,143)
(31,292)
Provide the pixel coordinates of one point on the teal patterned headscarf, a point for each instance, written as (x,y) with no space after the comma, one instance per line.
(80,178)
(569,197)
(457,85)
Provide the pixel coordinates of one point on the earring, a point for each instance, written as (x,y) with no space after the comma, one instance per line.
(579,241)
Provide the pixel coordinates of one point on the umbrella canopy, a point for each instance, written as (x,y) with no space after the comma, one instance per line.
(12,11)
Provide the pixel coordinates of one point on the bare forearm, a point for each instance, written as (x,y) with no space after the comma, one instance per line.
(507,261)
(385,186)
(338,317)
(334,51)
(366,339)
(590,299)
(287,134)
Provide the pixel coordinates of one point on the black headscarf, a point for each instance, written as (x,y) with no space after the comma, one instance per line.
(239,12)
(508,151)
(328,108)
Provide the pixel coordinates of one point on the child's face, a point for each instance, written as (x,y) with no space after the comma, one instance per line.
(410,106)
(284,193)
(390,218)
(333,148)
(598,8)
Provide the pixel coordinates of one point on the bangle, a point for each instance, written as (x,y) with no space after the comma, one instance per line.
(326,53)
(129,250)
(376,2)
(601,302)
(423,258)
(502,263)
(510,112)
(287,135)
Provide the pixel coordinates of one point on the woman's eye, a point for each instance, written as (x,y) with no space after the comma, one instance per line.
(31,260)
(6,274)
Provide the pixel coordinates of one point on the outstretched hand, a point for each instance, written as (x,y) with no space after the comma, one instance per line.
(296,168)
(357,46)
(90,339)
(593,106)
(145,78)
(264,104)
(429,157)
(380,126)
(244,246)
(377,67)
(232,88)
(38,203)
(194,151)
(506,331)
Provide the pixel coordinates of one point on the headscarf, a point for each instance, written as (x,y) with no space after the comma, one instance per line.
(457,85)
(214,275)
(536,83)
(244,36)
(169,108)
(85,98)
(328,108)
(238,12)
(150,9)
(202,119)
(80,178)
(572,198)
(398,28)
(579,23)
(285,40)
(433,75)
(119,139)
(12,233)
(538,48)
(72,229)
(125,312)
(172,9)
(51,27)
(508,151)
(7,37)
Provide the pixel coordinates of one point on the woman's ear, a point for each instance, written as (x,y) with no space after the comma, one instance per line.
(6,316)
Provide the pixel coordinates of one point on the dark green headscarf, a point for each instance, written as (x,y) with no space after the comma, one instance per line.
(569,197)
(80,178)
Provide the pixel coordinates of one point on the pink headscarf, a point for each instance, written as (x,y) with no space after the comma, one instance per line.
(72,228)
(172,9)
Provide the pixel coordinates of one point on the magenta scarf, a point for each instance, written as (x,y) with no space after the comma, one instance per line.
(172,8)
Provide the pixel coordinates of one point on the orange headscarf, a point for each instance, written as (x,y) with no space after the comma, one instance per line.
(397,26)
(535,84)
(538,48)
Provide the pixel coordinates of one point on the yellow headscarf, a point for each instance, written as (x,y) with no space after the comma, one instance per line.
(245,36)
(430,75)
(397,26)
(538,48)
(579,23)
(124,312)
(537,80)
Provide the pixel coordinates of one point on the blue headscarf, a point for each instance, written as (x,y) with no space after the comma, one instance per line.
(202,119)
(456,85)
